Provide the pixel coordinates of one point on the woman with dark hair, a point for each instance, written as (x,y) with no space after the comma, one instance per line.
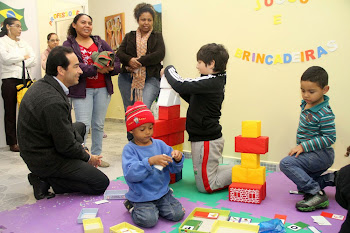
(91,96)
(52,42)
(141,53)
(13,52)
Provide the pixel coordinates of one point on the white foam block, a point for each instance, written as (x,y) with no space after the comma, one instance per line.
(164,83)
(158,167)
(168,97)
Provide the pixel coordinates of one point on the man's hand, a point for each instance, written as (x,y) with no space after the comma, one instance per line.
(176,155)
(134,63)
(162,160)
(95,160)
(296,150)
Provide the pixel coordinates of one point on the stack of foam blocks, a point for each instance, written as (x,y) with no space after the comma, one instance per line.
(170,127)
(249,178)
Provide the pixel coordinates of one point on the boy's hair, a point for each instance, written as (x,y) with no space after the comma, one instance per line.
(316,74)
(217,52)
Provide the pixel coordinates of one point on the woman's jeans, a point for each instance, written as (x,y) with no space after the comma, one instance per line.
(150,91)
(306,170)
(92,110)
(145,214)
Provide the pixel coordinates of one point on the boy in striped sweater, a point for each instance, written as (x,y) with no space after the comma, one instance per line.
(313,154)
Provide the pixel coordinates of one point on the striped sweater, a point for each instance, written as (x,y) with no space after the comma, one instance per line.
(316,126)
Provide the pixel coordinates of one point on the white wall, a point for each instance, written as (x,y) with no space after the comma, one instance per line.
(270,93)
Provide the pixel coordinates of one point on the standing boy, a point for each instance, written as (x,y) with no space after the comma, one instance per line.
(205,96)
(146,164)
(313,154)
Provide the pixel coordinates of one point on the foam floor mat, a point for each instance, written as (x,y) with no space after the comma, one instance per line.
(60,214)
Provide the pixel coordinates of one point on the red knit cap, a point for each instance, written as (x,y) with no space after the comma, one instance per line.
(137,115)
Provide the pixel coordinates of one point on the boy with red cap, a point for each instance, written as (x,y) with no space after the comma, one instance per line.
(146,164)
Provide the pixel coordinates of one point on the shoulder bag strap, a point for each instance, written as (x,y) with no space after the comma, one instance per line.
(28,74)
(23,73)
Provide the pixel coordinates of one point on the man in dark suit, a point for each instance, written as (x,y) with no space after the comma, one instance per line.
(51,145)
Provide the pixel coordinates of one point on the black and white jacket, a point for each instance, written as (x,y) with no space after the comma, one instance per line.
(205,95)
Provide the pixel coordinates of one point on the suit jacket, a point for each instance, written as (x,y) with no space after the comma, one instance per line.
(45,132)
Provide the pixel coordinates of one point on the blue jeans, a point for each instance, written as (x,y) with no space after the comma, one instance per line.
(145,214)
(150,91)
(92,110)
(306,170)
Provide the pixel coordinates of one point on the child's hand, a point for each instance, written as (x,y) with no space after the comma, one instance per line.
(176,155)
(296,150)
(161,72)
(162,160)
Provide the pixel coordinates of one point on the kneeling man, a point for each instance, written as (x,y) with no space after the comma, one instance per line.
(51,145)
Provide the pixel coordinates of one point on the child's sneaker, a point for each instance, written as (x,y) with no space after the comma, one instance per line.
(313,202)
(128,205)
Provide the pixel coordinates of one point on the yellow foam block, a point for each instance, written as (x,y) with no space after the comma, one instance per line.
(93,225)
(249,175)
(239,174)
(257,176)
(179,147)
(251,129)
(250,160)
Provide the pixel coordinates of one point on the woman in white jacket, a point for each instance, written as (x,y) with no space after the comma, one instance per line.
(12,52)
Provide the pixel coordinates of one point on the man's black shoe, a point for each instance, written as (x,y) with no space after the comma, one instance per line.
(40,187)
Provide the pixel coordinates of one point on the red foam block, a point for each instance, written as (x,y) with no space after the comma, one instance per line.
(247,193)
(264,191)
(178,124)
(176,138)
(164,138)
(161,127)
(259,145)
(168,113)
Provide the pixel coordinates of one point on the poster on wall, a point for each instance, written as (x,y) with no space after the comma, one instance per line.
(115,30)
(157,24)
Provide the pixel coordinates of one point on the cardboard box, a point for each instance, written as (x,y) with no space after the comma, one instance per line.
(223,215)
(123,225)
(228,227)
(93,225)
(115,194)
(87,213)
